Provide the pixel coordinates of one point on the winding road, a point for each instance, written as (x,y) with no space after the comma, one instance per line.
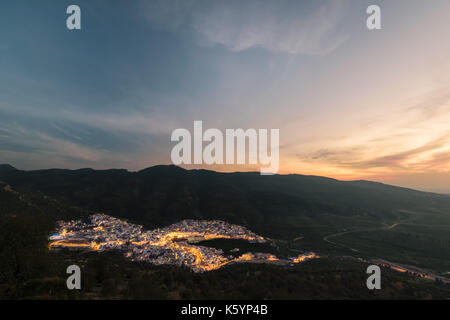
(338,234)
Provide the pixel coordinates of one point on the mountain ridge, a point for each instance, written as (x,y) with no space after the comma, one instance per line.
(277,205)
(7,168)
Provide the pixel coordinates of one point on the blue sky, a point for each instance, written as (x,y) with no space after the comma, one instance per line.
(110,94)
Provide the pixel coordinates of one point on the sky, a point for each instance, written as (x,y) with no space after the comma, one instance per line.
(350,103)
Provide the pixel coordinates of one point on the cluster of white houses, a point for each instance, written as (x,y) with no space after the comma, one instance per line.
(174,244)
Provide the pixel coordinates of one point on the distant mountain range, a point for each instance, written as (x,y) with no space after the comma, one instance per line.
(280,206)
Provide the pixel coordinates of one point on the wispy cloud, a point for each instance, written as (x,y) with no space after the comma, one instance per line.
(290,27)
(353,158)
(35,149)
(39,142)
(414,139)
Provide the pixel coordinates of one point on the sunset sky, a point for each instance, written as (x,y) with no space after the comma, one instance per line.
(350,103)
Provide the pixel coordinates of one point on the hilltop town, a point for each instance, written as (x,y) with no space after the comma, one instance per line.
(173,245)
